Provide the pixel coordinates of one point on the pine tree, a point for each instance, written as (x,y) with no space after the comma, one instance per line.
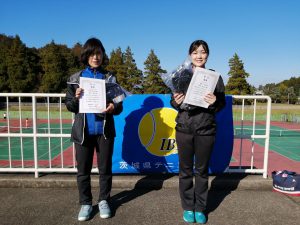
(153,84)
(33,68)
(55,69)
(116,66)
(237,83)
(75,54)
(15,68)
(22,67)
(133,74)
(112,65)
(72,63)
(5,44)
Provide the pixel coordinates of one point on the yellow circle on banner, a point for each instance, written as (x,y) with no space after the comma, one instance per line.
(157,131)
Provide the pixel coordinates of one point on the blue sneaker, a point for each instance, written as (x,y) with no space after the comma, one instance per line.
(188,216)
(104,209)
(85,212)
(200,217)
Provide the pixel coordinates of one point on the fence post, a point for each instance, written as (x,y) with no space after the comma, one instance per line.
(267,140)
(34,125)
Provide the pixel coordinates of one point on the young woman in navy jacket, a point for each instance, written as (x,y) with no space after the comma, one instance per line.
(195,137)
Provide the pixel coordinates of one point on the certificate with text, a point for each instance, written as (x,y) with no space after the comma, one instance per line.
(203,82)
(93,99)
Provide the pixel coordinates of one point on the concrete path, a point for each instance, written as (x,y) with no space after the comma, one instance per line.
(143,200)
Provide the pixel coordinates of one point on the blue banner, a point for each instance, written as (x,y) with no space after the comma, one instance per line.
(145,141)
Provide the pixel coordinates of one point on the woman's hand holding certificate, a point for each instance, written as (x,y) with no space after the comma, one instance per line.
(93,99)
(203,83)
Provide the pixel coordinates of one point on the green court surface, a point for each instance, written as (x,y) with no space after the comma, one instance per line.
(24,146)
(28,152)
(53,128)
(283,141)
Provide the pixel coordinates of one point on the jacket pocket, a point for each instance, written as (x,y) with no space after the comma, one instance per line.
(183,122)
(77,129)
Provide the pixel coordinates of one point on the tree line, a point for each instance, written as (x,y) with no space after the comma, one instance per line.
(46,70)
(286,91)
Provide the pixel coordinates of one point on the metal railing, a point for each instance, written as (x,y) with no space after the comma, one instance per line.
(243,136)
(15,125)
(11,131)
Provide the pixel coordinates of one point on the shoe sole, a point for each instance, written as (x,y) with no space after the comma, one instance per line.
(201,222)
(83,218)
(104,216)
(188,221)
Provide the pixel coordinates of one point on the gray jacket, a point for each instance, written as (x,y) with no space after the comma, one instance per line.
(79,125)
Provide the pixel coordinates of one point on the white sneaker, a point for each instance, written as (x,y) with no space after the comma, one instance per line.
(104,209)
(85,212)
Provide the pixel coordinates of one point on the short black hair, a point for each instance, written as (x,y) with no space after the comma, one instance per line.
(196,45)
(92,46)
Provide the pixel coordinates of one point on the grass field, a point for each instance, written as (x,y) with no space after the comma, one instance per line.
(279,112)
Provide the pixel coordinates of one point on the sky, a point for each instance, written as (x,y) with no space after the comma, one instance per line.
(265,34)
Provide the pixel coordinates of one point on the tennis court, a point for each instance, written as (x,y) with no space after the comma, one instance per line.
(20,149)
(284,146)
(283,141)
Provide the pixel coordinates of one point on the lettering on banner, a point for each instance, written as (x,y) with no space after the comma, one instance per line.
(123,165)
(147,165)
(170,165)
(158,164)
(167,144)
(135,165)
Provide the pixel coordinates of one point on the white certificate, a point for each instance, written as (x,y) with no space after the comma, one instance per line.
(93,99)
(203,82)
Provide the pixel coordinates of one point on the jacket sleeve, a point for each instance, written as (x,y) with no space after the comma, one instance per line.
(220,96)
(118,108)
(174,104)
(71,102)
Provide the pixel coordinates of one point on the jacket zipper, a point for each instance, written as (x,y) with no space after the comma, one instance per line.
(83,123)
(104,121)
(83,128)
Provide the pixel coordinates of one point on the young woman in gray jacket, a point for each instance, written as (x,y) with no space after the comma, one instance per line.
(92,131)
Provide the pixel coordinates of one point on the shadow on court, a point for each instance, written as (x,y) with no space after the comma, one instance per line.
(149,183)
(221,186)
(143,186)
